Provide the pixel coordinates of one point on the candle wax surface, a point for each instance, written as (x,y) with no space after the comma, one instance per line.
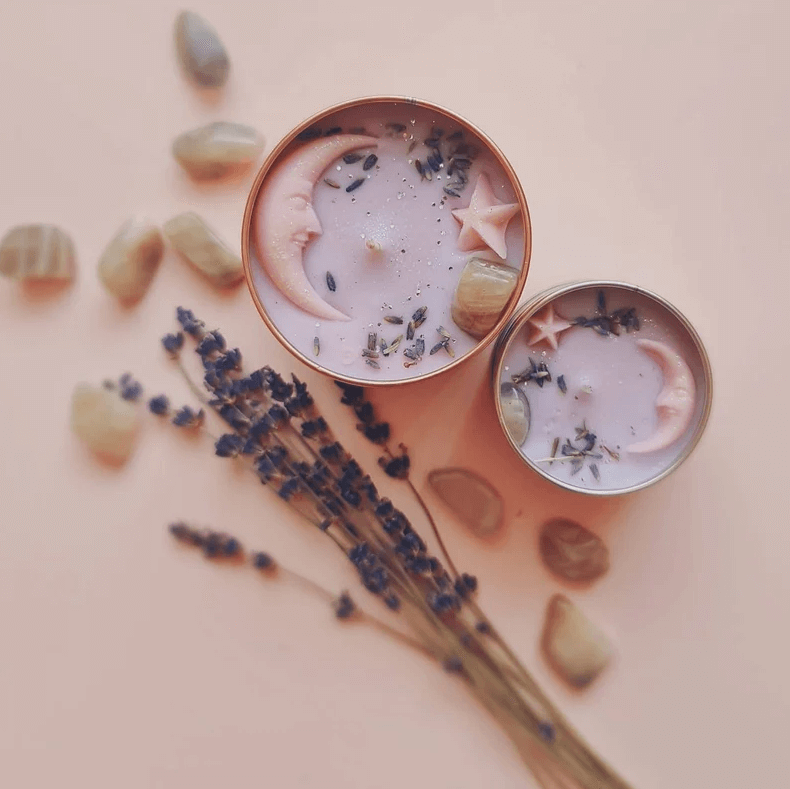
(390,245)
(612,386)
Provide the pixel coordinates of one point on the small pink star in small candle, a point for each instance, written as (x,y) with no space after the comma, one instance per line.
(485,220)
(547,326)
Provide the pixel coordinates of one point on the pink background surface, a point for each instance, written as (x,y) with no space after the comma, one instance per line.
(651,141)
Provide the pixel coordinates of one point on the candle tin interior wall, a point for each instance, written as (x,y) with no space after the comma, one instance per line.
(320,246)
(601,387)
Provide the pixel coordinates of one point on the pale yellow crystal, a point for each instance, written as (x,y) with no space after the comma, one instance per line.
(482,293)
(104,421)
(37,252)
(515,412)
(473,500)
(218,149)
(576,649)
(128,264)
(203,248)
(200,50)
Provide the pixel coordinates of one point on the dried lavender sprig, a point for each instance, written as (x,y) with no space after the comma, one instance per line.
(394,465)
(211,345)
(397,466)
(479,670)
(208,347)
(219,545)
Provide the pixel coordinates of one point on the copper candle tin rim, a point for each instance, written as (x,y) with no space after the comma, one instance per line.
(246,228)
(539,301)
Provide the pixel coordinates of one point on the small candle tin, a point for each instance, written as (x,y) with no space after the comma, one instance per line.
(540,378)
(314,353)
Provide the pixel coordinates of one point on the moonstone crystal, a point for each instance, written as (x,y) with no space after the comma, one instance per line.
(482,293)
(104,421)
(576,649)
(515,412)
(37,252)
(471,498)
(572,552)
(200,50)
(217,149)
(128,264)
(203,248)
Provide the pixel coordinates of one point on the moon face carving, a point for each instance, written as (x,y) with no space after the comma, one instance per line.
(675,402)
(285,221)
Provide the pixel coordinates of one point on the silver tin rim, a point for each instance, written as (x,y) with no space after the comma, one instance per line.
(543,298)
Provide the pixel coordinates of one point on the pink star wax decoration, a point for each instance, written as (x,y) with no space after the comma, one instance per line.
(485,220)
(547,326)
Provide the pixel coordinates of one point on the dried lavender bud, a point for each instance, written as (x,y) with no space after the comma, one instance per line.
(235,418)
(443,601)
(364,412)
(251,447)
(392,602)
(344,606)
(159,405)
(277,387)
(228,361)
(483,627)
(181,532)
(331,452)
(465,585)
(288,488)
(210,343)
(546,731)
(453,665)
(351,393)
(129,388)
(397,467)
(378,433)
(419,316)
(309,429)
(351,496)
(228,445)
(385,508)
(189,323)
(173,343)
(187,417)
(232,547)
(309,134)
(262,561)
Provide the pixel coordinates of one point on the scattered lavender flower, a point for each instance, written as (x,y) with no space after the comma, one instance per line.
(159,405)
(173,343)
(129,388)
(344,607)
(262,561)
(187,417)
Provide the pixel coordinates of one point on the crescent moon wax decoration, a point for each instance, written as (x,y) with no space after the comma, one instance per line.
(286,221)
(675,402)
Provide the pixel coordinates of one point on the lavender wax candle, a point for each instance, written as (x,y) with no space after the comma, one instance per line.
(385,240)
(601,387)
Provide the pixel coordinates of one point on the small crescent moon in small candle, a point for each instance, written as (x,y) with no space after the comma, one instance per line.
(676,400)
(285,220)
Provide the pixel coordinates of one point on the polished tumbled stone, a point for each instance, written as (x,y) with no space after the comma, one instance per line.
(202,54)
